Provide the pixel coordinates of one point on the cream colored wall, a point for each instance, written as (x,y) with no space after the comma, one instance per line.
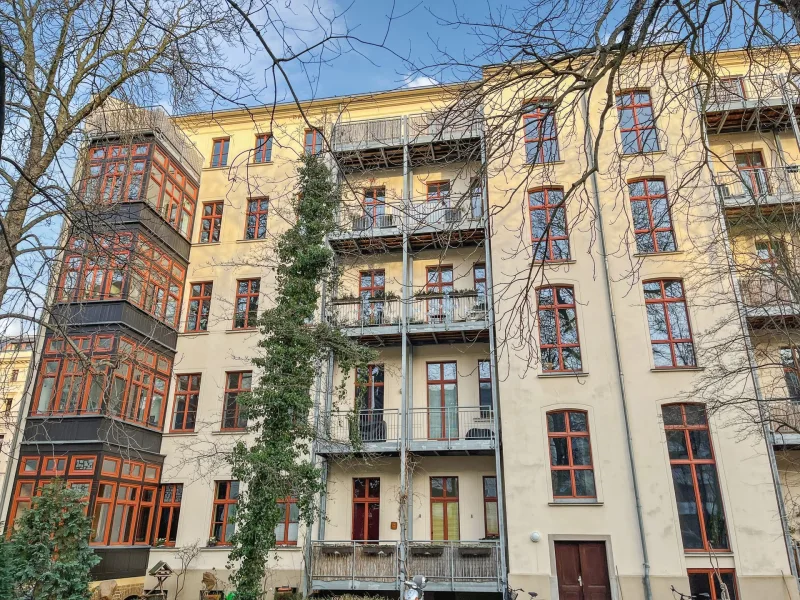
(526,394)
(15,390)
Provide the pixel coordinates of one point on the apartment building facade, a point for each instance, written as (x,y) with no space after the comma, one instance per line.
(16,354)
(530,431)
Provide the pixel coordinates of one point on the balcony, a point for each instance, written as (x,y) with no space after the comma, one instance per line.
(118,119)
(444,318)
(366,431)
(430,137)
(429,225)
(784,415)
(349,565)
(749,102)
(769,299)
(452,430)
(456,565)
(462,566)
(759,187)
(375,321)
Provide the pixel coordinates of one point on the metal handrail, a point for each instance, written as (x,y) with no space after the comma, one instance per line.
(455,561)
(754,184)
(373,312)
(355,560)
(446,309)
(366,426)
(451,423)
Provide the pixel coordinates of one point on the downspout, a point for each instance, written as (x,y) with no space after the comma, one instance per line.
(404,412)
(773,465)
(648,592)
(498,460)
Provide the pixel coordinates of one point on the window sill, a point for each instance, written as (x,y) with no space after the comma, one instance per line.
(707,554)
(222,168)
(555,263)
(207,244)
(635,154)
(218,547)
(229,431)
(676,369)
(192,333)
(575,502)
(654,254)
(564,374)
(546,164)
(263,162)
(243,330)
(178,433)
(251,241)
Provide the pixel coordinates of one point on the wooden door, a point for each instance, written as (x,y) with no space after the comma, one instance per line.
(582,571)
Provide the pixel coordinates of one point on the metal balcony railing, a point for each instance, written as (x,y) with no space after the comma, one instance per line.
(368,133)
(444,309)
(763,291)
(444,215)
(744,187)
(360,427)
(416,214)
(784,415)
(452,423)
(356,217)
(120,119)
(364,313)
(354,561)
(729,90)
(455,562)
(445,125)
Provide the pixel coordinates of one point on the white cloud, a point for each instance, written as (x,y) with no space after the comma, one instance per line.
(420,81)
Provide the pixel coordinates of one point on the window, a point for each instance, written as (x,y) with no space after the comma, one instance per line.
(485,388)
(82,465)
(366,509)
(199,306)
(652,224)
(751,169)
(263,152)
(312,141)
(157,283)
(374,206)
(256,224)
(246,303)
(219,152)
(14,375)
(791,372)
(211,222)
(23,497)
(438,193)
(369,388)
(637,124)
(286,529)
(103,504)
(7,406)
(479,281)
(442,401)
(548,224)
(186,397)
(439,281)
(169,512)
(558,330)
(444,508)
(670,332)
(706,584)
(476,198)
(491,518)
(226,496)
(770,255)
(144,516)
(235,383)
(95,269)
(54,465)
(372,291)
(694,475)
(540,133)
(570,454)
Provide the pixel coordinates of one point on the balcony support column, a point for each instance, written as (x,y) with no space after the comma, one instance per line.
(751,359)
(498,458)
(790,102)
(405,514)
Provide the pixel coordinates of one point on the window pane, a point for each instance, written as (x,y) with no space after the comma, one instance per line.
(584,482)
(577,421)
(562,483)
(687,507)
(452,521)
(581,455)
(713,514)
(437,521)
(558,451)
(556,422)
(676,444)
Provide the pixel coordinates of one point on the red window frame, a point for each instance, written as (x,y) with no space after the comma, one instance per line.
(569,435)
(187,396)
(226,495)
(255,223)
(686,428)
(246,306)
(627,100)
(646,198)
(448,429)
(366,387)
(30,487)
(73,465)
(367,501)
(55,466)
(169,505)
(231,417)
(374,202)
(559,345)
(711,574)
(219,152)
(751,168)
(438,192)
(479,279)
(485,383)
(145,514)
(312,141)
(211,222)
(263,149)
(288,504)
(445,500)
(117,462)
(540,130)
(121,530)
(487,500)
(132,470)
(98,538)
(547,248)
(199,306)
(24,461)
(665,301)
(435,283)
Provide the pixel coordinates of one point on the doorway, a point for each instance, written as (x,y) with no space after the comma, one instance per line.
(582,571)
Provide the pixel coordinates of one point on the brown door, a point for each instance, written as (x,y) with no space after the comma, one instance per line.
(582,570)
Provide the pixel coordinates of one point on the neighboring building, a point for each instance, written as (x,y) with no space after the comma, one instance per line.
(16,354)
(486,460)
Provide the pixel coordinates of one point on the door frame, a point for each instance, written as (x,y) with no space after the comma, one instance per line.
(560,537)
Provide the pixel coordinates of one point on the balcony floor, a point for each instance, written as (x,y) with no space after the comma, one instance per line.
(740,116)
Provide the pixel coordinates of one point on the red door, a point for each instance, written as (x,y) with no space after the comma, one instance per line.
(582,571)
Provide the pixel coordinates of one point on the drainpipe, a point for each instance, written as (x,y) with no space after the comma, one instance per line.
(648,592)
(498,459)
(404,412)
(773,465)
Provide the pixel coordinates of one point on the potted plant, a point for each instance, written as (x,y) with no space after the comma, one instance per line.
(161,542)
(212,541)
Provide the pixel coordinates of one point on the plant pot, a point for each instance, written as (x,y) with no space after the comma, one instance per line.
(474,551)
(336,550)
(377,549)
(426,550)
